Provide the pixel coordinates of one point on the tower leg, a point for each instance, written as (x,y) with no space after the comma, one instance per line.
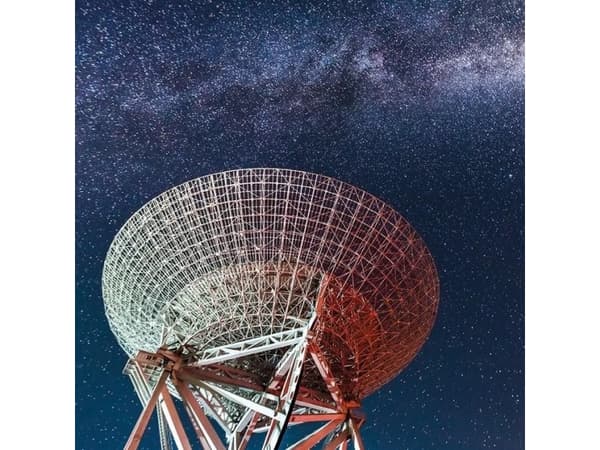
(356,439)
(137,378)
(172,417)
(142,422)
(167,413)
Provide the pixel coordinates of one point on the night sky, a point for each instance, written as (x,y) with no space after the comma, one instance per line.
(420,103)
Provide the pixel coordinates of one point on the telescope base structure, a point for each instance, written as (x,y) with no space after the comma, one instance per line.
(238,402)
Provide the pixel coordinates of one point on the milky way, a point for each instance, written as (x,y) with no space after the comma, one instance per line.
(419,102)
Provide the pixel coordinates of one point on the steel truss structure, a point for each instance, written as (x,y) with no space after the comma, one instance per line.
(204,387)
(262,298)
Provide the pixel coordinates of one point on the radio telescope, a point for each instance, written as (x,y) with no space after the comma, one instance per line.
(262,299)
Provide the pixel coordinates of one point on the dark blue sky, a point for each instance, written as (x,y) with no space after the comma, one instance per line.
(420,103)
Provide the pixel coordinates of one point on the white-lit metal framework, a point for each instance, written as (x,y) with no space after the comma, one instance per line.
(263,298)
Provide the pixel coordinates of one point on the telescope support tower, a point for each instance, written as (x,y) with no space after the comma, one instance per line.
(206,386)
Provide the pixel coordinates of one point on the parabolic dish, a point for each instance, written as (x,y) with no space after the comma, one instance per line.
(247,253)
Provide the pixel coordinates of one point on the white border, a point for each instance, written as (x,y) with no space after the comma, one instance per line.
(37,220)
(562,226)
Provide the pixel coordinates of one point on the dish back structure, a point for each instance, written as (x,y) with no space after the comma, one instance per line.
(263,298)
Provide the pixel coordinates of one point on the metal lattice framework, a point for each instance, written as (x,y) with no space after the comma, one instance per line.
(239,270)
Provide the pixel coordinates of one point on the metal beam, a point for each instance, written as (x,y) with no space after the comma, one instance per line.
(197,376)
(211,438)
(143,391)
(251,346)
(163,432)
(215,409)
(306,418)
(339,439)
(172,417)
(306,400)
(356,439)
(288,393)
(138,431)
(245,437)
(262,409)
(194,374)
(314,438)
(327,375)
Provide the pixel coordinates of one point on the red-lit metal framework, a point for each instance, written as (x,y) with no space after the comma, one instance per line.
(263,298)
